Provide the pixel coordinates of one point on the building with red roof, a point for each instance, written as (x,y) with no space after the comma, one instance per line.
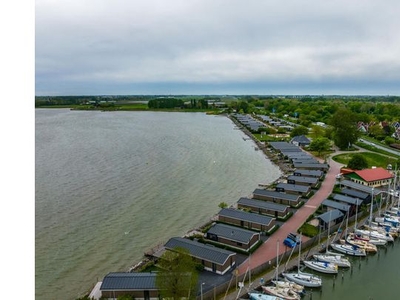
(374,177)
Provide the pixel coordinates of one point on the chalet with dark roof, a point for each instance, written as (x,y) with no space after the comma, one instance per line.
(308,173)
(294,189)
(330,204)
(354,203)
(264,207)
(276,197)
(247,220)
(142,286)
(212,258)
(364,197)
(315,166)
(299,180)
(358,187)
(232,236)
(330,218)
(284,147)
(300,141)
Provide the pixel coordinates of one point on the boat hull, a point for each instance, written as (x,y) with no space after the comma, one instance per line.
(305,279)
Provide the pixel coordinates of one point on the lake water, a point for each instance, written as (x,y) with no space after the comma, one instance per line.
(111,185)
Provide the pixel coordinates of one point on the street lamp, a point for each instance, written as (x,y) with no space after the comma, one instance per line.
(201,290)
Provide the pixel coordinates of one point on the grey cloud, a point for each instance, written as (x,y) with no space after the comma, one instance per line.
(131,42)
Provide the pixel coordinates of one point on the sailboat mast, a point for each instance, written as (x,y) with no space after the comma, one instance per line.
(277,260)
(372,204)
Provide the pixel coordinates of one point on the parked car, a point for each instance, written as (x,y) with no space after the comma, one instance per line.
(289,243)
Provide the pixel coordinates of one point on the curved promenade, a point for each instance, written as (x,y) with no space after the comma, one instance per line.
(267,252)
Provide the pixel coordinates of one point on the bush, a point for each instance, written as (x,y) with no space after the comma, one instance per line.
(308,230)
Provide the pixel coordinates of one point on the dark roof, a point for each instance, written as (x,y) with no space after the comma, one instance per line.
(199,250)
(337,205)
(284,146)
(275,194)
(347,199)
(245,216)
(305,160)
(331,215)
(355,194)
(232,233)
(317,166)
(297,155)
(129,281)
(301,139)
(358,186)
(313,173)
(263,204)
(293,187)
(311,180)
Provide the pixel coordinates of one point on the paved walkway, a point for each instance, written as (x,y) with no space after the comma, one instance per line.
(267,252)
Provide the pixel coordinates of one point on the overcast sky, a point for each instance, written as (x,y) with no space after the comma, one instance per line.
(217,47)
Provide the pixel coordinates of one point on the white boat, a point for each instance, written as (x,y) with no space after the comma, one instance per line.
(260,296)
(321,266)
(376,242)
(348,249)
(298,288)
(284,293)
(331,257)
(339,260)
(305,279)
(375,234)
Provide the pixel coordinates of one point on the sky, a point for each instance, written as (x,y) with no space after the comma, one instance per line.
(260,47)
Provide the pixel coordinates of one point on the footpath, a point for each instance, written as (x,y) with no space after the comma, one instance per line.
(268,251)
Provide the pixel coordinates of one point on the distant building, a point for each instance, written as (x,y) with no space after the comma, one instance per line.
(233,236)
(375,177)
(142,286)
(212,258)
(300,141)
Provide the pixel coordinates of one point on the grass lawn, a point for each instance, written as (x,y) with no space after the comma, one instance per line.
(373,159)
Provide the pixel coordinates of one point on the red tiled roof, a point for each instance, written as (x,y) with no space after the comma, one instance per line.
(374,174)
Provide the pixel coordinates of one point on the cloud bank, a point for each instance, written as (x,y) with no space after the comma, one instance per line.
(217,47)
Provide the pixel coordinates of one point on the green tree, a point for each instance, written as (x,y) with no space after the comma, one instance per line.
(345,131)
(178,276)
(320,145)
(299,130)
(317,131)
(223,205)
(357,162)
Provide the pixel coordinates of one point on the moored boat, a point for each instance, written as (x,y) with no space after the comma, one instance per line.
(260,296)
(284,293)
(348,249)
(289,284)
(339,260)
(368,247)
(306,279)
(321,266)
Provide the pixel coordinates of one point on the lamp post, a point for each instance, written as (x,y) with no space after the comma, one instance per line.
(201,290)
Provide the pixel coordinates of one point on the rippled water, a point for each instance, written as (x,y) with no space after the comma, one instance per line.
(109,186)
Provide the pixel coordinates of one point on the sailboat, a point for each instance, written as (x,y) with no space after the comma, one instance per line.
(321,266)
(285,293)
(260,296)
(368,247)
(331,257)
(346,248)
(298,288)
(305,279)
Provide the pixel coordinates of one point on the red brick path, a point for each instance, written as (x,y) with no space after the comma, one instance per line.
(267,251)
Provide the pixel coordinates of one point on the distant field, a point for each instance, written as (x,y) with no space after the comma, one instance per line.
(373,159)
